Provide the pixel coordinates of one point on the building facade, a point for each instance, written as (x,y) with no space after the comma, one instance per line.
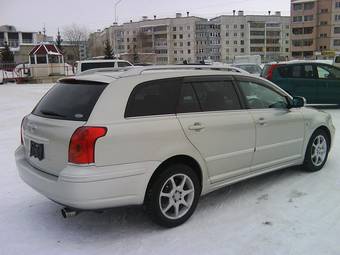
(264,35)
(315,28)
(190,39)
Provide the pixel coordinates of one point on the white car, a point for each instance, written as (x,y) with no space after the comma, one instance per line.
(82,66)
(162,138)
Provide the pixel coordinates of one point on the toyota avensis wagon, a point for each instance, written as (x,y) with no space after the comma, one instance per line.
(162,138)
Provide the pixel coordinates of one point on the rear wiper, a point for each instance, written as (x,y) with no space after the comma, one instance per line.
(51,113)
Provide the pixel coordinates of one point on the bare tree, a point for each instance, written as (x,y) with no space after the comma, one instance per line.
(75,35)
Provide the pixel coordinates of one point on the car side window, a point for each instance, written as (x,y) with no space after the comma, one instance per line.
(157,97)
(217,95)
(261,97)
(328,72)
(187,100)
(297,71)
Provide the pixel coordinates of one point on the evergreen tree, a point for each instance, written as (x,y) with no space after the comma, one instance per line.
(7,55)
(59,41)
(108,51)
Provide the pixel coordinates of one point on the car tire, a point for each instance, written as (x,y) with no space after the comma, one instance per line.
(317,151)
(173,195)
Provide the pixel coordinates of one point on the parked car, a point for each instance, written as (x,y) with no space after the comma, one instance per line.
(162,137)
(250,68)
(85,65)
(337,61)
(317,82)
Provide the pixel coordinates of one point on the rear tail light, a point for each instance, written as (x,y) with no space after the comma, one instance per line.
(22,131)
(270,72)
(82,144)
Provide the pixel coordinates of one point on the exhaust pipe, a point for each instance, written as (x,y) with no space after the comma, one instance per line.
(68,212)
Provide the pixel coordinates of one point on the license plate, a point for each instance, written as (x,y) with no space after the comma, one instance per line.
(37,150)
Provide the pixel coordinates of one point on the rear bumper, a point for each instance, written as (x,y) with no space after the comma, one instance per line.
(90,187)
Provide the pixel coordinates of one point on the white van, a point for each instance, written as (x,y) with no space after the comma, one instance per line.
(85,65)
(337,61)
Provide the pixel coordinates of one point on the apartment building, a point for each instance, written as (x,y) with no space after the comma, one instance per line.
(193,39)
(315,28)
(264,35)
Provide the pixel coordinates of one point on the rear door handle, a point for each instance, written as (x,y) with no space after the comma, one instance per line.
(196,127)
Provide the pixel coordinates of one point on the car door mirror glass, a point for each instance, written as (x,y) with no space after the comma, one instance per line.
(298,102)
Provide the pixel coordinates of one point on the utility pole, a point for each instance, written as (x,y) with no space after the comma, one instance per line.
(116,4)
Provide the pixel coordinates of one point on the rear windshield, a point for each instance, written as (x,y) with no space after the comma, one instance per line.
(90,66)
(69,101)
(337,59)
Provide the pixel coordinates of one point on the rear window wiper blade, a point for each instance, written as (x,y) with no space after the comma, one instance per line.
(52,113)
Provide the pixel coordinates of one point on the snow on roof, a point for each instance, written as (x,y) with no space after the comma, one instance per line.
(45,49)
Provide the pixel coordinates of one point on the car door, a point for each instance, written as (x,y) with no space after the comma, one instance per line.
(212,118)
(279,130)
(298,80)
(328,84)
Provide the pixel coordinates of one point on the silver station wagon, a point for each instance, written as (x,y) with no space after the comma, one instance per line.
(162,137)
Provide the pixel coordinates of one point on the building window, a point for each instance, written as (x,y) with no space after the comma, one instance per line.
(189,51)
(227,42)
(308,18)
(324,10)
(235,26)
(337,5)
(235,50)
(297,19)
(308,6)
(174,36)
(242,42)
(337,30)
(188,43)
(235,34)
(227,26)
(174,29)
(227,34)
(180,28)
(188,27)
(235,42)
(180,36)
(324,23)
(242,50)
(337,42)
(337,17)
(242,26)
(175,44)
(297,7)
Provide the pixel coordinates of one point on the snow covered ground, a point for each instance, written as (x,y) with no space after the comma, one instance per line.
(286,212)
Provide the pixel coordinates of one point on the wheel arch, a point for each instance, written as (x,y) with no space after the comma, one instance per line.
(184,159)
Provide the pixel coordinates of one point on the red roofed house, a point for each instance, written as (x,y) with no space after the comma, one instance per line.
(46,60)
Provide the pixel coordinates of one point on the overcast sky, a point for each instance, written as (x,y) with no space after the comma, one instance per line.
(31,15)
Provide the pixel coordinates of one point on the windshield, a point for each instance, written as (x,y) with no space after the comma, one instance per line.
(253,69)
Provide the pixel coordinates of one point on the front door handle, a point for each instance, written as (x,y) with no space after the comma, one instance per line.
(196,127)
(261,122)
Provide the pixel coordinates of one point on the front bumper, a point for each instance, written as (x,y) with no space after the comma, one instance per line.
(89,187)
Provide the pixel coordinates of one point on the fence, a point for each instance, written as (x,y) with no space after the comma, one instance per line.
(20,73)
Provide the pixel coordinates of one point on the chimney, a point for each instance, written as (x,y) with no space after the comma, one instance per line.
(278,13)
(154,17)
(234,12)
(188,14)
(240,13)
(178,15)
(144,18)
(130,20)
(269,12)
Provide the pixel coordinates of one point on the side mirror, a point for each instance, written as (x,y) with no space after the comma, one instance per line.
(298,102)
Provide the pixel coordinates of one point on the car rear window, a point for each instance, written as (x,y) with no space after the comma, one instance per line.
(67,101)
(123,64)
(90,66)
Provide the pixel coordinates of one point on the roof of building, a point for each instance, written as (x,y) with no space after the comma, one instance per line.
(45,49)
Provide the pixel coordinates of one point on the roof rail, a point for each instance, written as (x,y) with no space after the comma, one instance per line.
(138,70)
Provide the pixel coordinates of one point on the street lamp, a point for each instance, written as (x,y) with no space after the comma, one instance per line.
(116,4)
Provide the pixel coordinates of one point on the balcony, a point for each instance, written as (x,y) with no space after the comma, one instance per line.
(27,41)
